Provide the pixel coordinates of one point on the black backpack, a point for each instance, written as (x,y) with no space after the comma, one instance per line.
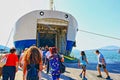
(62,66)
(32,72)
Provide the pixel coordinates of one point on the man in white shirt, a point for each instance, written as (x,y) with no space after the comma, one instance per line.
(101,63)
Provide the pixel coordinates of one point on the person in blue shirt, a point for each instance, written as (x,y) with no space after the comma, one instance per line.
(101,63)
(83,62)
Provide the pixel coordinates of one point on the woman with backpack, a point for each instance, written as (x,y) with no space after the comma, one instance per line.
(32,64)
(55,63)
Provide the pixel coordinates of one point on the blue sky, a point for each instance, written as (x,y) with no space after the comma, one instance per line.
(98,16)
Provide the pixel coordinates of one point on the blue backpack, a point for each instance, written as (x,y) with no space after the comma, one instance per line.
(32,72)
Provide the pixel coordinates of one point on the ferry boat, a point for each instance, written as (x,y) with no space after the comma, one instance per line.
(46,27)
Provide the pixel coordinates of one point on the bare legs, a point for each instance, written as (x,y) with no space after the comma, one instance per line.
(105,70)
(99,71)
(83,72)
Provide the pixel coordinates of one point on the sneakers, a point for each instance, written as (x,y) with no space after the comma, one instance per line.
(108,77)
(99,76)
(80,75)
(84,78)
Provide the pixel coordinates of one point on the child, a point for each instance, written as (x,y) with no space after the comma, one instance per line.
(82,62)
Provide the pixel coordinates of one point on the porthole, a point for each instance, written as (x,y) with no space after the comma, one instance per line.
(41,13)
(66,15)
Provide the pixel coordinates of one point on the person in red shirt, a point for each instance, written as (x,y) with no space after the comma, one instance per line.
(11,66)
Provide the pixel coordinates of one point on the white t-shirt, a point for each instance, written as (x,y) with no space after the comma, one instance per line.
(48,54)
(100,57)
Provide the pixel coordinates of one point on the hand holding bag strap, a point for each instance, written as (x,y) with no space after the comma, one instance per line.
(61,58)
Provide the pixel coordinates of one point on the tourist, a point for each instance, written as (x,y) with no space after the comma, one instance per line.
(44,51)
(11,66)
(21,58)
(48,54)
(101,63)
(55,63)
(83,62)
(32,59)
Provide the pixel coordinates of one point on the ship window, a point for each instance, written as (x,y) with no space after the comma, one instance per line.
(41,13)
(66,15)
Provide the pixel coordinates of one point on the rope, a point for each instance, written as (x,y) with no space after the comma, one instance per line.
(100,34)
(9,38)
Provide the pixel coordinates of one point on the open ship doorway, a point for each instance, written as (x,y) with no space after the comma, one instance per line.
(46,39)
(52,32)
(45,36)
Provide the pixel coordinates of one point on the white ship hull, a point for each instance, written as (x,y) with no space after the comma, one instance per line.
(46,27)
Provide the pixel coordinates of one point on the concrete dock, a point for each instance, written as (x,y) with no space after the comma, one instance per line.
(72,73)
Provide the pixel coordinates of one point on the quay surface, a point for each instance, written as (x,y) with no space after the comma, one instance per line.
(72,73)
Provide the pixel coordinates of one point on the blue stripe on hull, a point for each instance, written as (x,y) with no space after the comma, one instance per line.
(69,46)
(22,44)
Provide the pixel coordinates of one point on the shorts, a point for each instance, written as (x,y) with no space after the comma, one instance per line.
(83,67)
(101,65)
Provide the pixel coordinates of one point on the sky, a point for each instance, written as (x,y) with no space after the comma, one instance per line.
(97,16)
